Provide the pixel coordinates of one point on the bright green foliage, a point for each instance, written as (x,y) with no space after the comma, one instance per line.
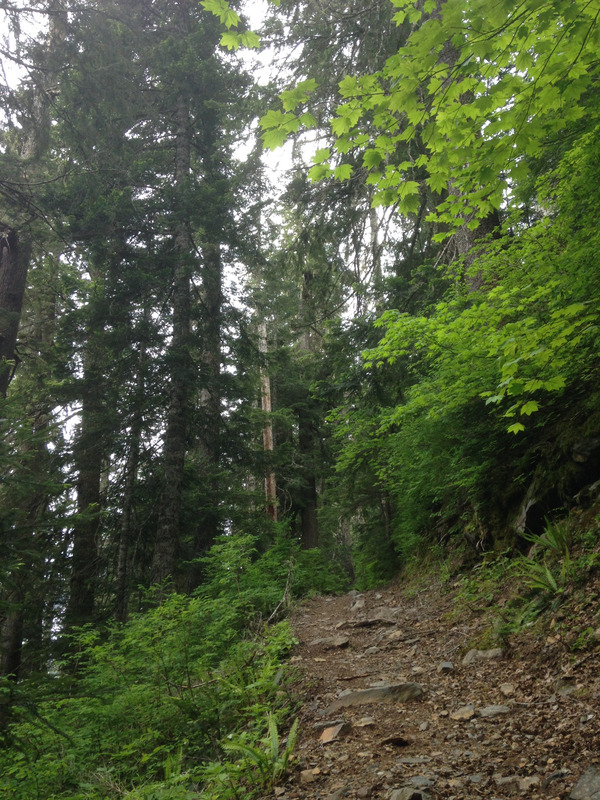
(160,708)
(269,762)
(553,573)
(222,10)
(517,354)
(154,699)
(483,87)
(531,332)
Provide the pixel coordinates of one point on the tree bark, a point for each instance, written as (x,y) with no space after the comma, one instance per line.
(88,452)
(131,465)
(14,264)
(23,587)
(309,525)
(307,440)
(268,441)
(176,434)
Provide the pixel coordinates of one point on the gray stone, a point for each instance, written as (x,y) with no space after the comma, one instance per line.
(358,604)
(330,642)
(386,613)
(327,723)
(392,693)
(365,722)
(339,793)
(377,619)
(446,666)
(466,712)
(588,786)
(395,636)
(482,655)
(422,782)
(507,689)
(494,711)
(516,782)
(476,778)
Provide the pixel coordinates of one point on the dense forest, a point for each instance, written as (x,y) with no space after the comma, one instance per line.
(225,384)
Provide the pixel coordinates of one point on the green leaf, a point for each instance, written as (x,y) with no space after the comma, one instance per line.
(324,154)
(230,40)
(343,172)
(292,98)
(516,427)
(349,86)
(274,139)
(372,158)
(555,384)
(221,9)
(250,39)
(529,408)
(319,172)
(308,120)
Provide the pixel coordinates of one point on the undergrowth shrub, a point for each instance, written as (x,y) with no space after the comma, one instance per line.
(153,701)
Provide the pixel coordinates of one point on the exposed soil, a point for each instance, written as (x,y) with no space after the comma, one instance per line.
(520,723)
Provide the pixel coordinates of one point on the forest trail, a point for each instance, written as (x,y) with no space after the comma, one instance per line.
(518,722)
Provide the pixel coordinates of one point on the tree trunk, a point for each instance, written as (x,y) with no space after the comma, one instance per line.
(309,525)
(176,434)
(14,253)
(88,452)
(11,643)
(268,441)
(14,263)
(23,587)
(307,439)
(131,465)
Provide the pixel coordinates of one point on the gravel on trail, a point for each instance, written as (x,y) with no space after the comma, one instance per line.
(399,700)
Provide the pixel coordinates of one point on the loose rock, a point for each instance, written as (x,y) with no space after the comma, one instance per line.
(335,732)
(588,786)
(466,712)
(493,711)
(399,693)
(365,722)
(482,655)
(307,776)
(330,642)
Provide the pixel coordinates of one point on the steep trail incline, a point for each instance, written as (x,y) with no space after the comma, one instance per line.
(449,720)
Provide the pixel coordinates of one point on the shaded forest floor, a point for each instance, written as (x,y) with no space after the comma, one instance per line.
(519,717)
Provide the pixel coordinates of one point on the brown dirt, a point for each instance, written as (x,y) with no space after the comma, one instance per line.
(538,748)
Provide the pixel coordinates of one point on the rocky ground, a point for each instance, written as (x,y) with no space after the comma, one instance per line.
(401,701)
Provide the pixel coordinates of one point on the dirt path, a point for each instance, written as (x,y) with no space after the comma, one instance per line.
(522,722)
